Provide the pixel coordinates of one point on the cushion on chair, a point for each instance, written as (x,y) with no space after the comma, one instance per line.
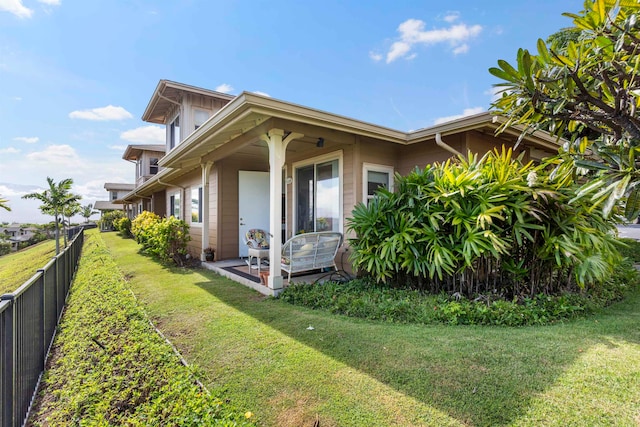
(257,238)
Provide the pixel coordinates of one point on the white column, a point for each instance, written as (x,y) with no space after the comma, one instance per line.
(277,153)
(276,162)
(206,170)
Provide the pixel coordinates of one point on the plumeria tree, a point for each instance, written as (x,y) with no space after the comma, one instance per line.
(54,200)
(583,84)
(4,204)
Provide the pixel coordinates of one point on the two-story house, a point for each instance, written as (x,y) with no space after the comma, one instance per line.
(251,161)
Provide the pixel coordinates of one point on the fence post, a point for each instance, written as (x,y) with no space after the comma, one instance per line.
(8,386)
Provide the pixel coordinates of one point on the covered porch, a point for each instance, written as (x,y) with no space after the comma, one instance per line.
(239,271)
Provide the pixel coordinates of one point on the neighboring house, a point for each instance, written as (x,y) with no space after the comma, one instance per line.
(250,161)
(16,234)
(116,191)
(146,158)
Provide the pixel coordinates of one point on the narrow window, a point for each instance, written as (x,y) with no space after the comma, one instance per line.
(196,205)
(174,202)
(199,117)
(153,166)
(174,133)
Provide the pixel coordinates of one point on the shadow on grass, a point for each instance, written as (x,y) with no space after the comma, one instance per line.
(478,375)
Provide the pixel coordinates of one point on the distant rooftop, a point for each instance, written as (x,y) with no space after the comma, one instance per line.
(115,186)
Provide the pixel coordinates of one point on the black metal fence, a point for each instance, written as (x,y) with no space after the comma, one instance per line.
(28,320)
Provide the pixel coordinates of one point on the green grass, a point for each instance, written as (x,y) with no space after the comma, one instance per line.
(17,267)
(349,372)
(110,367)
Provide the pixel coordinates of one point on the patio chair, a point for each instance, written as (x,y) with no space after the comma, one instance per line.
(257,241)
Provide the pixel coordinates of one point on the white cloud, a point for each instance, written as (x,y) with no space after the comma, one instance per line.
(257,92)
(451,17)
(17,190)
(118,147)
(50,2)
(375,56)
(494,92)
(60,156)
(16,7)
(9,150)
(27,139)
(224,88)
(412,33)
(101,114)
(466,112)
(463,48)
(145,134)
(16,98)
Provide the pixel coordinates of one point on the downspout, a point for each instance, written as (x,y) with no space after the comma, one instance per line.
(440,143)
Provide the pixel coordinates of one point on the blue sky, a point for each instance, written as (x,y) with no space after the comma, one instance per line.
(76,76)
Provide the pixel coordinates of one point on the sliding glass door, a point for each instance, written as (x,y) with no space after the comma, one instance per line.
(318,197)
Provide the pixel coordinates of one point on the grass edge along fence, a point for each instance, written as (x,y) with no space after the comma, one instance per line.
(28,320)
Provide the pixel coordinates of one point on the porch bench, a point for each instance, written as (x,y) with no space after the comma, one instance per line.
(311,251)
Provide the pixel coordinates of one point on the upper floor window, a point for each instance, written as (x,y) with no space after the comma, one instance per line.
(174,133)
(139,168)
(114,195)
(199,117)
(153,166)
(375,177)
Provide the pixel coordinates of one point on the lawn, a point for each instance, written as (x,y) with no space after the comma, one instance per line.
(291,366)
(17,267)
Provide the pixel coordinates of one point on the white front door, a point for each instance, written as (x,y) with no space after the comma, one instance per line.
(253,204)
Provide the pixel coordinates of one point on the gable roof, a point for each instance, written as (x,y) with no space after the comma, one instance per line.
(134,151)
(249,110)
(169,93)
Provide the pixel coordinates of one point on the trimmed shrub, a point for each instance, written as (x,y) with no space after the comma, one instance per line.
(123,225)
(142,227)
(165,238)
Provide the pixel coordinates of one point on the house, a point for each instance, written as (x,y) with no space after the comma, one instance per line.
(17,234)
(251,161)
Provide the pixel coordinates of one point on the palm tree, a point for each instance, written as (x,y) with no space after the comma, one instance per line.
(87,212)
(4,205)
(54,199)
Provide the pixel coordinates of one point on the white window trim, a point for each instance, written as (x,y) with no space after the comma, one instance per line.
(180,205)
(195,224)
(366,167)
(335,155)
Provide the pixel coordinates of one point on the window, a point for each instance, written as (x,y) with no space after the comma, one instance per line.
(199,117)
(374,177)
(139,208)
(174,205)
(138,168)
(174,133)
(196,204)
(318,198)
(153,166)
(114,195)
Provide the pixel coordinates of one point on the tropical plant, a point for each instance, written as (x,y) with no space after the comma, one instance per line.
(489,225)
(54,199)
(583,85)
(4,204)
(108,218)
(87,212)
